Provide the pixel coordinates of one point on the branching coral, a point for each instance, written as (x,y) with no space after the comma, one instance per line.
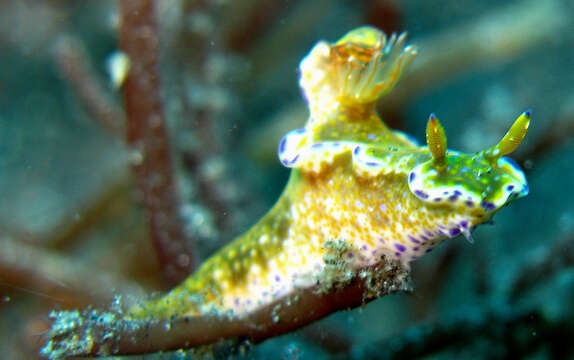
(113,333)
(149,141)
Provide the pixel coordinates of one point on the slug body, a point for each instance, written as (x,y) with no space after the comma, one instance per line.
(356,188)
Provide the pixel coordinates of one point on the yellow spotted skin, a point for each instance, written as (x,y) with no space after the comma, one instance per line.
(354,181)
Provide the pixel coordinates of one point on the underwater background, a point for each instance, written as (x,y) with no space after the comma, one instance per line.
(74,232)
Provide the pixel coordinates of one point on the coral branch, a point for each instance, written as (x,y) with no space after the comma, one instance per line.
(148,137)
(75,68)
(97,333)
(57,277)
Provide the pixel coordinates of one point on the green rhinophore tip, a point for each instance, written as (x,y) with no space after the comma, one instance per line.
(512,139)
(436,139)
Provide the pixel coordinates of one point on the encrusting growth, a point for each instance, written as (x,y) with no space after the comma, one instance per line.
(355,183)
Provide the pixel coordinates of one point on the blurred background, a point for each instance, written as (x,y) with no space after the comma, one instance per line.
(73,231)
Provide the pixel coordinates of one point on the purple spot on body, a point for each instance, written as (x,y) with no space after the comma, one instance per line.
(300,130)
(412,177)
(424,238)
(400,247)
(488,206)
(374,252)
(350,255)
(370,163)
(437,199)
(429,233)
(464,224)
(398,254)
(414,239)
(510,187)
(372,136)
(416,248)
(364,248)
(277,278)
(317,145)
(457,193)
(356,151)
(382,240)
(454,232)
(452,198)
(421,194)
(265,293)
(236,301)
(282,145)
(428,250)
(445,192)
(469,203)
(414,257)
(248,301)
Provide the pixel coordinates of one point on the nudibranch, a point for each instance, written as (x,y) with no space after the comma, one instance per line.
(355,183)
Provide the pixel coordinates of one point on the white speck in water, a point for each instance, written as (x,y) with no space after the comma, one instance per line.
(117,65)
(136,157)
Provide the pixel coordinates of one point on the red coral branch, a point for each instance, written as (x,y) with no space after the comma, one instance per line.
(148,137)
(122,336)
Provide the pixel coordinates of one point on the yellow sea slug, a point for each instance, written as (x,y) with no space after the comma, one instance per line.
(355,183)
